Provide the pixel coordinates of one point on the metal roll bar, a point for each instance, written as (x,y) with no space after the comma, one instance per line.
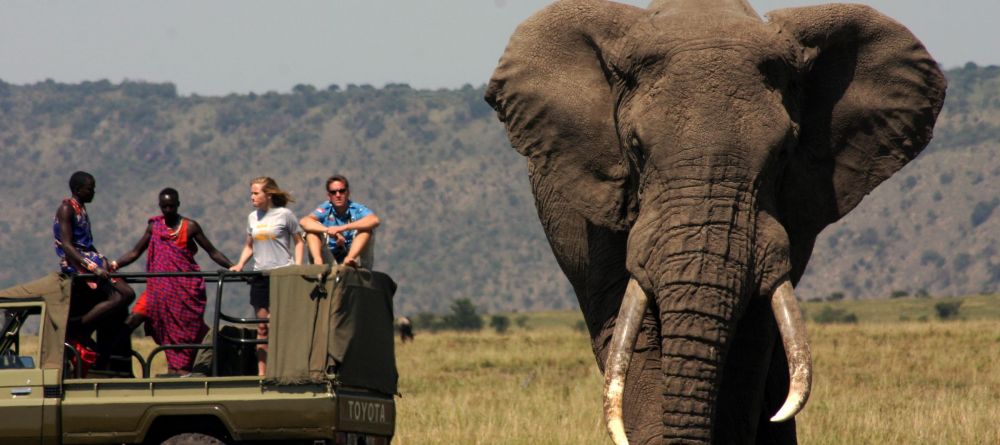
(221,277)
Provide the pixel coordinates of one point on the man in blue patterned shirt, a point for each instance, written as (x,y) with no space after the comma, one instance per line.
(348,226)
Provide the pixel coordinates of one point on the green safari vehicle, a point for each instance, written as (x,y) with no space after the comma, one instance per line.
(331,374)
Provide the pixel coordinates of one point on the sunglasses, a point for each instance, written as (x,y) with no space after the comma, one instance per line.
(337,191)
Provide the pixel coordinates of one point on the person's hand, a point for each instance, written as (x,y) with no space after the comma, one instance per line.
(353,262)
(341,241)
(113,266)
(334,230)
(235,268)
(101,272)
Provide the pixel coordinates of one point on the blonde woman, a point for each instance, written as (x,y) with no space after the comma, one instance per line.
(271,231)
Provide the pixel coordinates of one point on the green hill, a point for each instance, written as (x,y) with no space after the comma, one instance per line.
(933,226)
(459,219)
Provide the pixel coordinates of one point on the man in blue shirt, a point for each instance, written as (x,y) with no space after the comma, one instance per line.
(348,226)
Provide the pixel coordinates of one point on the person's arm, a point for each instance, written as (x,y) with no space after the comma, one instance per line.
(199,237)
(244,256)
(65,217)
(132,255)
(311,224)
(365,224)
(295,229)
(299,248)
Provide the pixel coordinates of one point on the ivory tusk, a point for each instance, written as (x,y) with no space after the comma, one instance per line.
(793,336)
(622,342)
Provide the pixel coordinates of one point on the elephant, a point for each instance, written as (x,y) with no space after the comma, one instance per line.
(683,159)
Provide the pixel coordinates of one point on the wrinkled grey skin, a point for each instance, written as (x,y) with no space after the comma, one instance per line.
(700,149)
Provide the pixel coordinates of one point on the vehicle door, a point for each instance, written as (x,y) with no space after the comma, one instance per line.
(21,390)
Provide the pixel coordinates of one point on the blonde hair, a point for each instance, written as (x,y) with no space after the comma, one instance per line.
(279,197)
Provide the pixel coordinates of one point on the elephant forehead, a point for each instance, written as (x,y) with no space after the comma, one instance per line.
(663,36)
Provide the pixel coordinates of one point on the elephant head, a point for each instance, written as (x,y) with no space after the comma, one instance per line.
(690,153)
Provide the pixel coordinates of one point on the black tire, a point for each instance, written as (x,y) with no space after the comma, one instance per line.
(192,439)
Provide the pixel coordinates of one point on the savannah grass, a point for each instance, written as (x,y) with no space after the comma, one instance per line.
(889,382)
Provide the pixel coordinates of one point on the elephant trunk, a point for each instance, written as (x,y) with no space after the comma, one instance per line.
(700,256)
(701,294)
(695,339)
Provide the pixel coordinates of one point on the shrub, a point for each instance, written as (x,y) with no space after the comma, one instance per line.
(948,310)
(835,296)
(304,89)
(500,323)
(521,321)
(961,262)
(426,321)
(829,315)
(899,294)
(982,211)
(867,237)
(86,124)
(463,316)
(930,257)
(144,90)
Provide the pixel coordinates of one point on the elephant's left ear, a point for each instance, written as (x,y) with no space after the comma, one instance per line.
(871,98)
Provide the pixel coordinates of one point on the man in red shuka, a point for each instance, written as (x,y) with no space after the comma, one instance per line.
(174,307)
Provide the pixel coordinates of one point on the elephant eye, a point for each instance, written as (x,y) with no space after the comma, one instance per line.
(635,153)
(776,72)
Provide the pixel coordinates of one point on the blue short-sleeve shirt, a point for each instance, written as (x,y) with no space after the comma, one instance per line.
(327,215)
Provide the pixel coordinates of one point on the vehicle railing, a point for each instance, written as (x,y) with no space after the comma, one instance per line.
(221,277)
(78,368)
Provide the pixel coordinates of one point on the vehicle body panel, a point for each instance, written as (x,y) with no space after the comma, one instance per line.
(43,404)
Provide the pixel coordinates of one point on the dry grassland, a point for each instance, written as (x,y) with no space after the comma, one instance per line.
(904,383)
(897,383)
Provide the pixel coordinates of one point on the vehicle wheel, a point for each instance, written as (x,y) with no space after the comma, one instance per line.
(192,439)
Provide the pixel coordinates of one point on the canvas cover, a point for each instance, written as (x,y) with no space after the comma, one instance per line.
(340,323)
(54,289)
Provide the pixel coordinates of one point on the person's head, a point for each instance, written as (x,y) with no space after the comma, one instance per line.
(82,185)
(338,190)
(170,200)
(264,193)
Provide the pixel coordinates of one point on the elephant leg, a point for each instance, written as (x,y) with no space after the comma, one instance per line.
(742,397)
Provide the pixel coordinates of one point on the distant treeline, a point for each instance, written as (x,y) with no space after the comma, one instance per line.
(459,219)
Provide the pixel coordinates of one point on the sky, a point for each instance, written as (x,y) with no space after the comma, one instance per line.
(214,48)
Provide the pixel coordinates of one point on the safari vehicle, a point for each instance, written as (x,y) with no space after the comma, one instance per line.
(331,373)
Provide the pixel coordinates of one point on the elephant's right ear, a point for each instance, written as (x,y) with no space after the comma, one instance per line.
(552,90)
